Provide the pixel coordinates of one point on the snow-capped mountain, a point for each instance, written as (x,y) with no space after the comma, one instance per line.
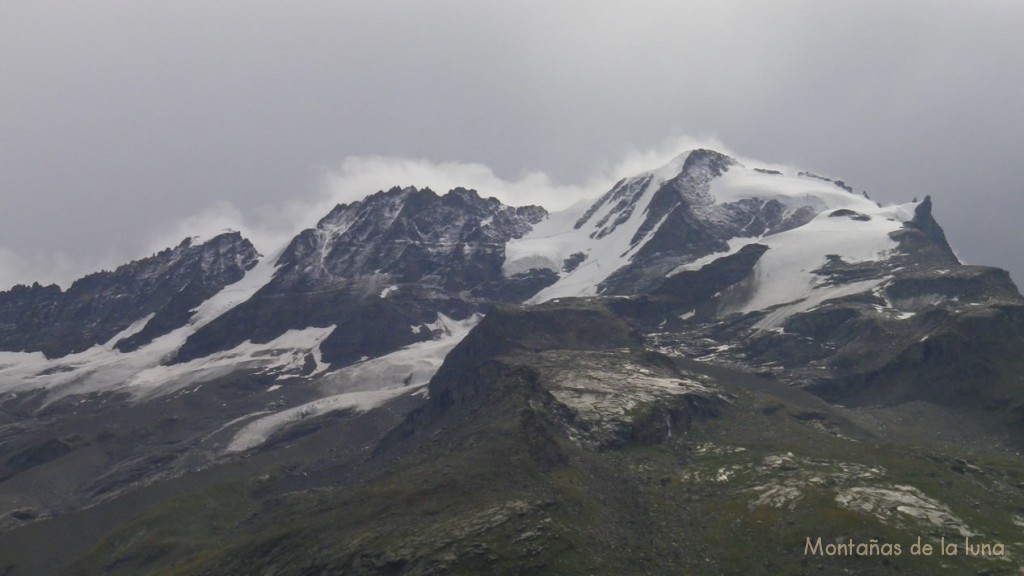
(409,316)
(99,306)
(383,269)
(703,206)
(806,256)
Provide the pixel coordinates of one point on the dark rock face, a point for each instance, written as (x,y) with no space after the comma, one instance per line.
(691,186)
(683,223)
(570,325)
(967,360)
(851,214)
(693,287)
(838,183)
(693,291)
(533,360)
(491,368)
(923,240)
(925,222)
(623,196)
(99,306)
(406,235)
(573,261)
(962,284)
(950,336)
(379,269)
(32,456)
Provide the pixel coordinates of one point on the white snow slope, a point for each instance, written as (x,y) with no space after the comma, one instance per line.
(142,373)
(554,239)
(783,276)
(366,384)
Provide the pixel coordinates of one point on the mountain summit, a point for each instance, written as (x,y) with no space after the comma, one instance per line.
(707,357)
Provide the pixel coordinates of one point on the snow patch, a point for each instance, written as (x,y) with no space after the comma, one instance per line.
(366,384)
(285,355)
(256,433)
(234,294)
(97,369)
(793,192)
(30,361)
(774,319)
(104,368)
(784,276)
(413,365)
(449,327)
(128,332)
(142,374)
(556,238)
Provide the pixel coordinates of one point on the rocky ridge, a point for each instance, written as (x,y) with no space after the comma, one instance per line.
(380,267)
(99,306)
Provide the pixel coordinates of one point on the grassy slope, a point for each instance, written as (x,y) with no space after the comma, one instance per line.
(495,487)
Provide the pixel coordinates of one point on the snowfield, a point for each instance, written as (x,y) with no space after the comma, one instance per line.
(555,239)
(142,373)
(784,274)
(783,278)
(365,385)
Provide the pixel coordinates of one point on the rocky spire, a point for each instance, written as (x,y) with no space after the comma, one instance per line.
(924,222)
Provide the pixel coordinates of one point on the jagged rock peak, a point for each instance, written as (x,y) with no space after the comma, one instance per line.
(35,288)
(225,238)
(399,196)
(923,209)
(926,223)
(712,160)
(394,259)
(100,305)
(387,231)
(684,170)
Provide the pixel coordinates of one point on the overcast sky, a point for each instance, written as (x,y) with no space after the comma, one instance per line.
(129,124)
